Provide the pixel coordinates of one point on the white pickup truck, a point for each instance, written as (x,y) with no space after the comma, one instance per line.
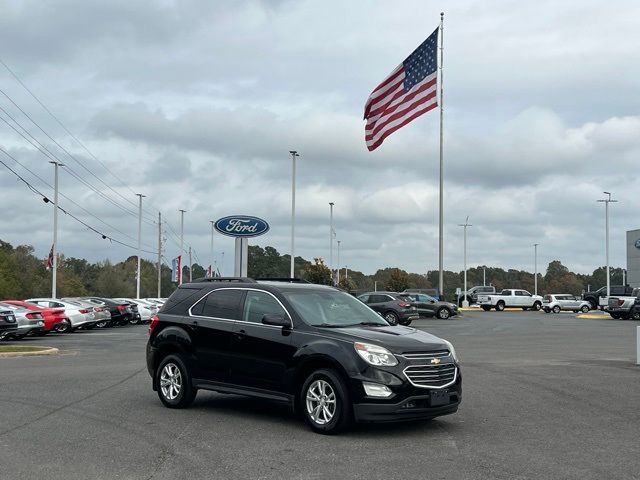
(510,297)
(620,306)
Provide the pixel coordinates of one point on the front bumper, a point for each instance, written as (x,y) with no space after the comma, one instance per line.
(412,408)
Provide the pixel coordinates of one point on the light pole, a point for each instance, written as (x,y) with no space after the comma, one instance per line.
(331,239)
(294,154)
(181,240)
(54,248)
(465,302)
(222,265)
(211,268)
(140,197)
(338,241)
(606,202)
(535,263)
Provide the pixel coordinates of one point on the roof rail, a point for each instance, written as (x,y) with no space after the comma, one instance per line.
(225,279)
(282,279)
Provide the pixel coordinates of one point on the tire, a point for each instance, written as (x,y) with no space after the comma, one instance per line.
(2,335)
(405,323)
(615,316)
(391,317)
(326,385)
(556,309)
(626,316)
(443,314)
(486,308)
(134,321)
(174,382)
(500,307)
(585,309)
(102,324)
(536,306)
(546,310)
(64,326)
(593,304)
(635,315)
(525,308)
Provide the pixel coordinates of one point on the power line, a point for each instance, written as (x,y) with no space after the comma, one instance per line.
(15,76)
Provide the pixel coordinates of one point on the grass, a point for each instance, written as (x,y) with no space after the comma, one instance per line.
(20,349)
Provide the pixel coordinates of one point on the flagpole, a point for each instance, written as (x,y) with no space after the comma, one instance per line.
(441,225)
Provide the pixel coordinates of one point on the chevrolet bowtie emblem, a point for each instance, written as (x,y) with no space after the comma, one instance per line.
(435,361)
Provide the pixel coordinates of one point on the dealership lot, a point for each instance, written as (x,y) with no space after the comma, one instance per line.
(545,396)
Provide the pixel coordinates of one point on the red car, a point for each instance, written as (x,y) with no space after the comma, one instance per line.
(52,316)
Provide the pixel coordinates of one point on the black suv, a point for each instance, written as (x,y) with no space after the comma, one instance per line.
(392,306)
(316,348)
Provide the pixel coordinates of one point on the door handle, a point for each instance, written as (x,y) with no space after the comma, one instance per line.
(194,323)
(240,334)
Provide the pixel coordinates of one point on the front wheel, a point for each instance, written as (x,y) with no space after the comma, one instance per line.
(500,306)
(325,402)
(585,309)
(443,313)
(537,306)
(174,382)
(391,317)
(635,315)
(556,309)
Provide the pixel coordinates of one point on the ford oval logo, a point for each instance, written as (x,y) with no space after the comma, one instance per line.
(241,226)
(638,243)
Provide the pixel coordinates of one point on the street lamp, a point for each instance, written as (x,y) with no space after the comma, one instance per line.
(606,202)
(294,154)
(535,263)
(140,197)
(465,301)
(331,233)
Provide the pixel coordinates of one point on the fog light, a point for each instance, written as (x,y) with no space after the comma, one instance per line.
(376,390)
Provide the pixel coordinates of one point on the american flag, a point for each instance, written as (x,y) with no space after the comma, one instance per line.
(49,262)
(408,92)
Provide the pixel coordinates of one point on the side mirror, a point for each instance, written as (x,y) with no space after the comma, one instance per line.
(432,301)
(276,319)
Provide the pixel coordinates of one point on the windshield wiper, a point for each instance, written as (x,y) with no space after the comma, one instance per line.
(372,324)
(332,325)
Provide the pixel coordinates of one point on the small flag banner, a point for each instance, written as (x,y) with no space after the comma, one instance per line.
(49,261)
(176,269)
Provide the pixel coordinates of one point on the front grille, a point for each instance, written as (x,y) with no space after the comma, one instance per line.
(432,376)
(426,355)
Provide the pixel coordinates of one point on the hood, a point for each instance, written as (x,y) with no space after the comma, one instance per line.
(397,339)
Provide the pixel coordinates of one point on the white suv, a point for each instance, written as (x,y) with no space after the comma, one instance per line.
(561,301)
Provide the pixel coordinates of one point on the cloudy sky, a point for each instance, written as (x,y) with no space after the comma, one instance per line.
(196,104)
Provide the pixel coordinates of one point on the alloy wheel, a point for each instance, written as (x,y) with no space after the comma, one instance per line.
(321,402)
(171,381)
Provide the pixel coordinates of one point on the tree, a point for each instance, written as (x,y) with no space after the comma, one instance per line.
(398,280)
(317,272)
(347,284)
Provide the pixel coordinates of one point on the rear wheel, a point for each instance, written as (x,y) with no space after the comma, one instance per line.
(500,306)
(174,382)
(486,308)
(64,326)
(615,316)
(443,313)
(406,323)
(584,309)
(391,317)
(134,321)
(325,402)
(556,309)
(635,315)
(101,324)
(537,306)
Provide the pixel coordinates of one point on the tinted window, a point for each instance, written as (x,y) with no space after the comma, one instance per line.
(224,303)
(259,304)
(363,298)
(505,292)
(181,299)
(378,299)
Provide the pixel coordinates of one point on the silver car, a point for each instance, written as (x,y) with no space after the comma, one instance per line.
(561,301)
(101,314)
(76,315)
(29,321)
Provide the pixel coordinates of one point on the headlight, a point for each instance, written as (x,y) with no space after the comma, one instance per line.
(452,350)
(375,355)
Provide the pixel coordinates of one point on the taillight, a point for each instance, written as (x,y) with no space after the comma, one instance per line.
(84,310)
(154,323)
(97,309)
(122,308)
(620,302)
(404,305)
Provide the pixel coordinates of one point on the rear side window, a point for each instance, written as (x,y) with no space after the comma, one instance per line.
(181,300)
(223,303)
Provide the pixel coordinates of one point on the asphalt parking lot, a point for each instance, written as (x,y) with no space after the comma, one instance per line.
(545,396)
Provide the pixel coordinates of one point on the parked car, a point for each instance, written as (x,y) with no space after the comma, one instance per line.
(312,347)
(432,292)
(473,292)
(634,313)
(75,315)
(157,301)
(53,317)
(8,323)
(510,297)
(598,298)
(146,310)
(428,306)
(101,314)
(556,302)
(29,322)
(620,306)
(395,309)
(120,312)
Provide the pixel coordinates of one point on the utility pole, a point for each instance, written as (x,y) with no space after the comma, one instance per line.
(159,255)
(331,240)
(375,285)
(212,260)
(338,261)
(465,302)
(140,197)
(606,202)
(190,266)
(535,263)
(484,276)
(181,240)
(54,248)
(222,265)
(294,154)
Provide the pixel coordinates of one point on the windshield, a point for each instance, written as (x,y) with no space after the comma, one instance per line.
(332,309)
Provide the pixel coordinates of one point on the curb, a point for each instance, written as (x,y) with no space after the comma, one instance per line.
(595,316)
(471,309)
(44,351)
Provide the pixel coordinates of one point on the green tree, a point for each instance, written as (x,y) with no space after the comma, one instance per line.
(398,280)
(317,272)
(346,283)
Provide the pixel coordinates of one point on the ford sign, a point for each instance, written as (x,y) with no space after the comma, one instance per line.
(241,226)
(638,243)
